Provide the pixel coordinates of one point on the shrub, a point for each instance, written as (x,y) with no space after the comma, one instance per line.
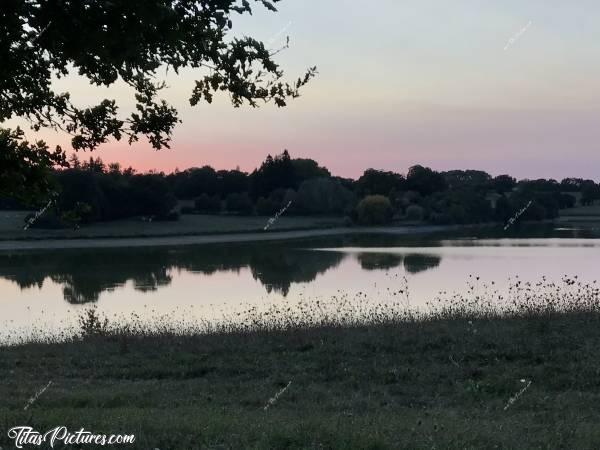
(374,210)
(415,212)
(239,203)
(208,204)
(92,324)
(267,206)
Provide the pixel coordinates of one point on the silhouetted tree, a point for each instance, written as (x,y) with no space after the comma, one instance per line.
(504,183)
(25,169)
(468,179)
(425,181)
(306,169)
(126,41)
(274,173)
(378,182)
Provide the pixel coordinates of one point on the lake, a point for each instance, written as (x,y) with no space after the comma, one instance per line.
(44,292)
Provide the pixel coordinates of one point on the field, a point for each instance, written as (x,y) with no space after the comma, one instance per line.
(580,214)
(445,383)
(11,224)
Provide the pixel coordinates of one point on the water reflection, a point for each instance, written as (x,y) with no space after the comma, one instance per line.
(412,262)
(415,263)
(84,275)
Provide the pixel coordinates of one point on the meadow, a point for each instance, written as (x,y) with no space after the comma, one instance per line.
(470,374)
(11,226)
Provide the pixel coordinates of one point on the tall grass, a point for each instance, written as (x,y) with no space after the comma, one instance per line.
(480,300)
(523,299)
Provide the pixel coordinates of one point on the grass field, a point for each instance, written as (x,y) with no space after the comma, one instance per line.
(439,384)
(11,226)
(580,214)
(469,375)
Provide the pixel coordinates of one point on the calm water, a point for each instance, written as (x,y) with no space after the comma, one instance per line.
(48,290)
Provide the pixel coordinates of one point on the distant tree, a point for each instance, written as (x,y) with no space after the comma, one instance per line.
(324,196)
(504,183)
(274,173)
(94,165)
(194,182)
(152,196)
(306,169)
(374,210)
(471,179)
(378,182)
(83,186)
(460,206)
(590,192)
(231,182)
(539,185)
(74,162)
(550,202)
(567,201)
(571,184)
(425,181)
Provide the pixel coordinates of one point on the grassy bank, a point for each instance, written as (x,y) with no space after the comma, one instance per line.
(11,226)
(443,383)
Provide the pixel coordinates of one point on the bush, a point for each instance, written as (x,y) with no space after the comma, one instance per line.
(415,212)
(173,216)
(324,196)
(374,210)
(208,204)
(267,206)
(239,203)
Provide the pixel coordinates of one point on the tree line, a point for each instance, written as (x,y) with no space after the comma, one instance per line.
(92,191)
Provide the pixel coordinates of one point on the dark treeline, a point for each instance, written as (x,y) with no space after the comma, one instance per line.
(92,191)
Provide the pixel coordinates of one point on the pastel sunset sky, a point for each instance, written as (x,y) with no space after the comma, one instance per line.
(508,86)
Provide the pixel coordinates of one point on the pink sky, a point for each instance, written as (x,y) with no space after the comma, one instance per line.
(421,83)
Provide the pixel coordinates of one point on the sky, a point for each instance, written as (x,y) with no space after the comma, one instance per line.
(507,86)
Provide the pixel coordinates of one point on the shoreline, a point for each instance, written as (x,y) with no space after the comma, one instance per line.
(212,238)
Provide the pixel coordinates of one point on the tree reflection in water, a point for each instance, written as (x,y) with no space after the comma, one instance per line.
(413,262)
(85,274)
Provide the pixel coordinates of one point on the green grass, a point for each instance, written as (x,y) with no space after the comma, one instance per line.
(442,383)
(585,214)
(11,224)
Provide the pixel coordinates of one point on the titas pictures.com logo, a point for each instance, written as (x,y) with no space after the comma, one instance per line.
(24,436)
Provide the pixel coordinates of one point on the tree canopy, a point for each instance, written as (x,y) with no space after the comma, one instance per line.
(107,41)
